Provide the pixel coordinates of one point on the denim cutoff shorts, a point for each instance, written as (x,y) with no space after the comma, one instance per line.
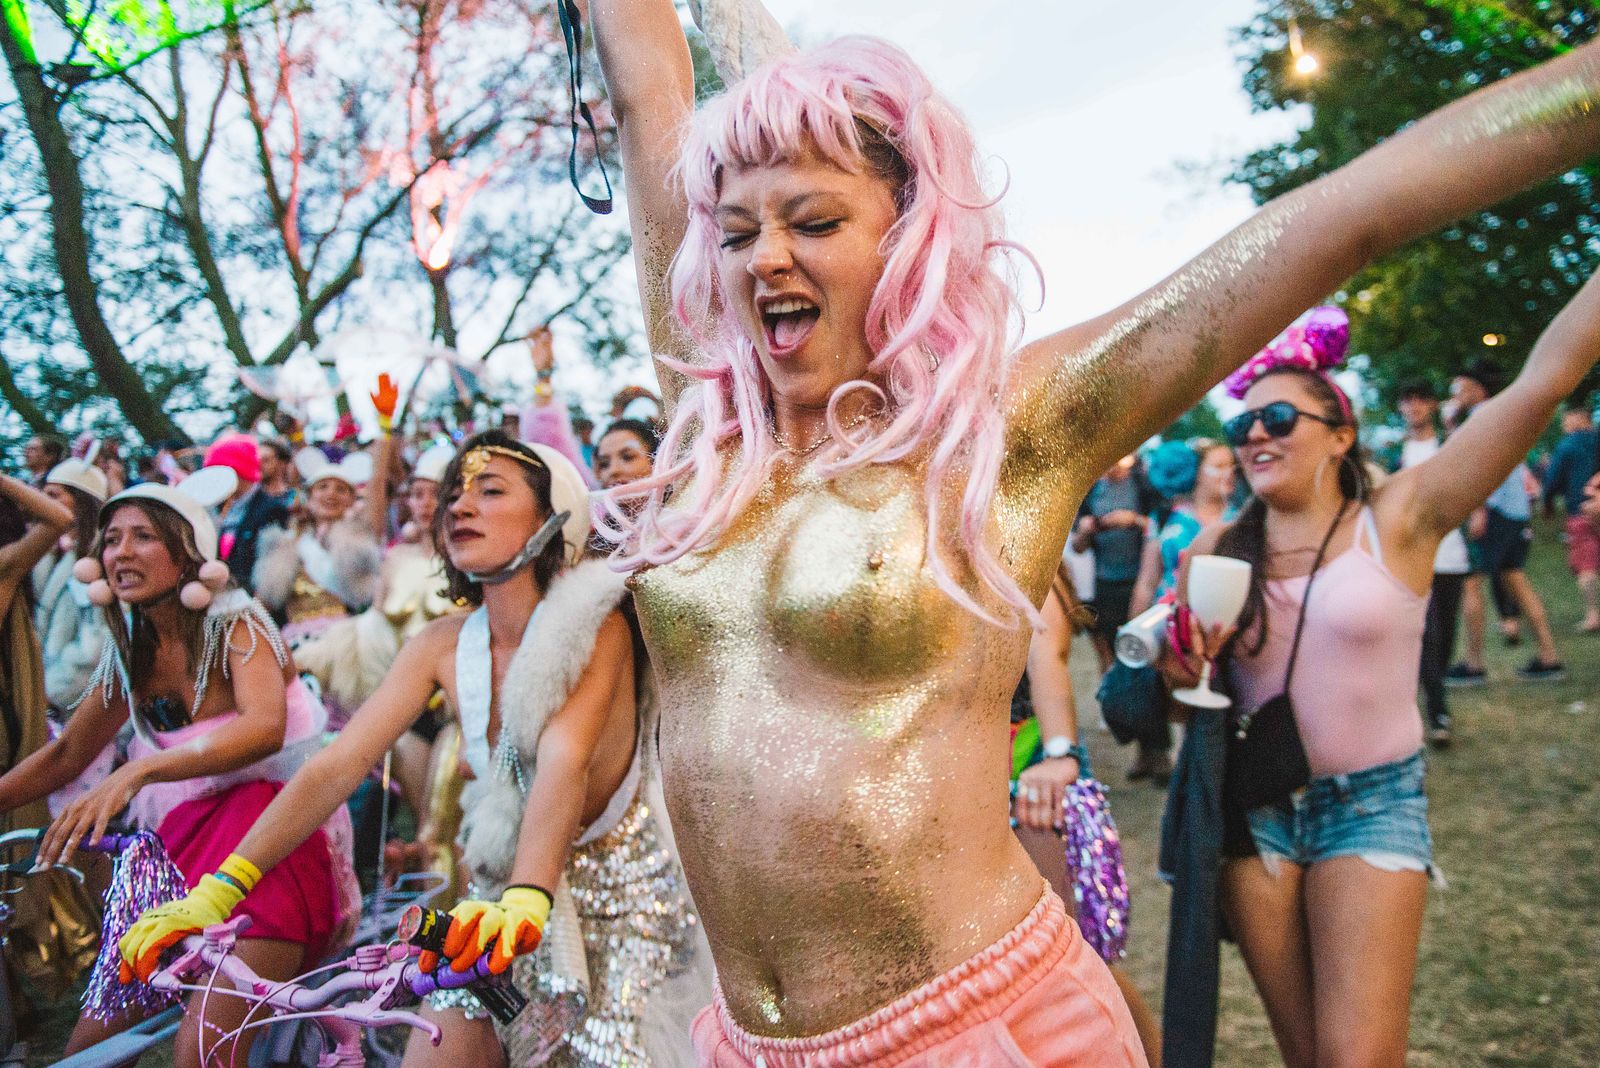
(1379,814)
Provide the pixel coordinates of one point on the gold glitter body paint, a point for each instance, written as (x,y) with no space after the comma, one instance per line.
(834,736)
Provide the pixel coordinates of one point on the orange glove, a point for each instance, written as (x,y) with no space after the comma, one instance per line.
(505,929)
(386,400)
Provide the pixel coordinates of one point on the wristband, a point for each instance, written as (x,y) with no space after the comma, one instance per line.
(549,899)
(542,388)
(240,872)
(386,423)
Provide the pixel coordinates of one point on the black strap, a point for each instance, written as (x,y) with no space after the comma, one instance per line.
(572,30)
(1294,650)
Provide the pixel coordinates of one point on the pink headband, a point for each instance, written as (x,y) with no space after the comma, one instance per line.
(1316,345)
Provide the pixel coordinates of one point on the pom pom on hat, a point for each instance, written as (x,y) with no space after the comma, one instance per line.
(99,593)
(214,574)
(86,570)
(195,597)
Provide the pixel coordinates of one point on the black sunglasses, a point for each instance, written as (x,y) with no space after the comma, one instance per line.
(1277,419)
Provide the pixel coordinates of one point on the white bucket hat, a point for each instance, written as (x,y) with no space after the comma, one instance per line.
(431,464)
(568,493)
(81,476)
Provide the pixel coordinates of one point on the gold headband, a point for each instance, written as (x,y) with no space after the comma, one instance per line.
(473,463)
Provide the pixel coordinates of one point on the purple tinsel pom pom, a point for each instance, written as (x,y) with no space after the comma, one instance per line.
(1094,864)
(142,877)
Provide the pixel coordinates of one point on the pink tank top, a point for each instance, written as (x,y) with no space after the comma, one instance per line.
(1355,683)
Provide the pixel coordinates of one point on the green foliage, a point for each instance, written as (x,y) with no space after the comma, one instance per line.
(1201,421)
(1384,64)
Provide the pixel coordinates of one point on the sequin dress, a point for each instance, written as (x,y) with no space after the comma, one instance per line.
(623,966)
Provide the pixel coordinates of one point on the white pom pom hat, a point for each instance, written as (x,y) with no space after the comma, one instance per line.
(192,501)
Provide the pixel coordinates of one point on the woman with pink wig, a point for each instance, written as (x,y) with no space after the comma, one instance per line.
(863,495)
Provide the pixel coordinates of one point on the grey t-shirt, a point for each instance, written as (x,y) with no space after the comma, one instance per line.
(1116,552)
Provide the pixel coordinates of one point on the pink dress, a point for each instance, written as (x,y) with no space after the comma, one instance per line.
(311,897)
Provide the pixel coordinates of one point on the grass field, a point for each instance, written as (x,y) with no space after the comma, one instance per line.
(1510,961)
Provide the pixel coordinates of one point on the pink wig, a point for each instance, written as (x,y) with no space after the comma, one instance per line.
(943,321)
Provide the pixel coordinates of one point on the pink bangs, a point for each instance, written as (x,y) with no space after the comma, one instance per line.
(943,322)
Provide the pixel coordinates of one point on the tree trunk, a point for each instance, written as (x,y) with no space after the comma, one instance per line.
(444,320)
(29,411)
(70,239)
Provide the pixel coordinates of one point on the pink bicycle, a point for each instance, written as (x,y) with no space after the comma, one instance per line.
(374,986)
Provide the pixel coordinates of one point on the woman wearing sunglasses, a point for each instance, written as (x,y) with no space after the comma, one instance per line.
(1324,884)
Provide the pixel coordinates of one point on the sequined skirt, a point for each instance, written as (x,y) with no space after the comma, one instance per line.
(637,928)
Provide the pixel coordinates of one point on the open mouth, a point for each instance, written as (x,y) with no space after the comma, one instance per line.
(127,578)
(788,322)
(1259,460)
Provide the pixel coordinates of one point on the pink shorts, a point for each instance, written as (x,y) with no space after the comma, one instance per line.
(297,901)
(1038,996)
(1583,544)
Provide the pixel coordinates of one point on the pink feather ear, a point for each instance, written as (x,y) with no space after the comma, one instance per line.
(215,575)
(100,593)
(86,570)
(195,597)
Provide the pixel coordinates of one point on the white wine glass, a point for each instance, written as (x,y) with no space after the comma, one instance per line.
(1218,588)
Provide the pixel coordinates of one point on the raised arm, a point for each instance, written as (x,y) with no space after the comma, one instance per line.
(650,84)
(49,520)
(1111,382)
(1442,492)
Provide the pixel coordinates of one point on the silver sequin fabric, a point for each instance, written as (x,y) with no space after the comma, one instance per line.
(638,926)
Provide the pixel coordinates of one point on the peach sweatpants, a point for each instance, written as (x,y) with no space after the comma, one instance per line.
(1038,996)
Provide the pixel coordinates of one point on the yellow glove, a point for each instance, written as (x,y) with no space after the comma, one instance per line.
(210,902)
(505,929)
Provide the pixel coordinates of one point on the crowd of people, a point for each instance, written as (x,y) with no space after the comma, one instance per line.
(703,716)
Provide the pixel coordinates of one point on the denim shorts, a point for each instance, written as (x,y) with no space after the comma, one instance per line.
(1379,814)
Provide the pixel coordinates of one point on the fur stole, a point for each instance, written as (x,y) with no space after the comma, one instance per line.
(356,556)
(547,665)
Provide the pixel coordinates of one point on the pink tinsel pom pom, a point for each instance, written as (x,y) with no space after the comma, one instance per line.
(100,594)
(195,597)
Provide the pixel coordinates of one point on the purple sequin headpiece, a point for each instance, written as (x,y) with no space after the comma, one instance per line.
(1316,345)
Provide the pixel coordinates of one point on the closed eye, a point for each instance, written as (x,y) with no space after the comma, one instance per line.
(736,240)
(820,227)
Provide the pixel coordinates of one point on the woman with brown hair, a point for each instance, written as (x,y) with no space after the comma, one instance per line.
(220,722)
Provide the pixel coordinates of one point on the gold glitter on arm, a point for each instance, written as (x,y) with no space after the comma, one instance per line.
(644,59)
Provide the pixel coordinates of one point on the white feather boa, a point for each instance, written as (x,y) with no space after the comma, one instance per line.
(547,665)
